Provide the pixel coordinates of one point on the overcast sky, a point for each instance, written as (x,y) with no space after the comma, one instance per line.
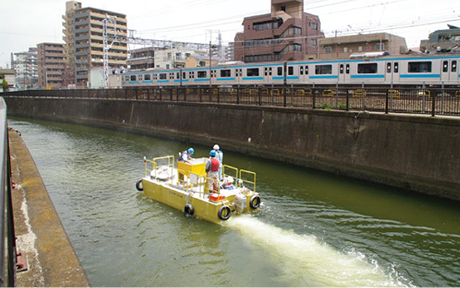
(25,23)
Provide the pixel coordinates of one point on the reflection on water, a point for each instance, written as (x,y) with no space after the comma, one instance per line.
(314,229)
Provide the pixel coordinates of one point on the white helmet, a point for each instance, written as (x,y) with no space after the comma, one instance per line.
(216,147)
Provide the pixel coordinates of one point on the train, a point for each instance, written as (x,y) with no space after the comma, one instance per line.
(370,69)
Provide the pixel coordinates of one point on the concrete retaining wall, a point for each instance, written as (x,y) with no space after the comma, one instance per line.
(418,153)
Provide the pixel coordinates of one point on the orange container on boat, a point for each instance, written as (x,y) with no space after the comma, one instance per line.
(216,197)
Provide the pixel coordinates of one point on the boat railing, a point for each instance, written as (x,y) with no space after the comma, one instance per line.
(247,178)
(153,168)
(243,178)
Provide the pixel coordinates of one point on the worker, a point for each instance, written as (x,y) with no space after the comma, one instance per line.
(186,156)
(220,157)
(212,168)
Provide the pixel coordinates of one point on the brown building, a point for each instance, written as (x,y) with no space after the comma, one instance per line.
(51,63)
(345,46)
(287,33)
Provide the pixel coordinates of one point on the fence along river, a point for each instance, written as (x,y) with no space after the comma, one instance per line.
(313,229)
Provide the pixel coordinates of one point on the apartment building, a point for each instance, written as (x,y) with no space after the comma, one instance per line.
(345,46)
(287,33)
(51,64)
(442,41)
(25,67)
(141,59)
(84,30)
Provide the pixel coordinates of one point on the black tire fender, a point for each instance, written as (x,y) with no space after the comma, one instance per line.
(139,185)
(189,210)
(255,202)
(224,212)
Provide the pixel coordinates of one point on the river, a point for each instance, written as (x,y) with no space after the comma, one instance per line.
(313,228)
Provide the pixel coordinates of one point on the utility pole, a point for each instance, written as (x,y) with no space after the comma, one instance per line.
(106,46)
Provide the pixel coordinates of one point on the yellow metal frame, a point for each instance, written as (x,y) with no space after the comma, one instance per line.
(457,93)
(394,93)
(328,93)
(423,93)
(244,175)
(359,93)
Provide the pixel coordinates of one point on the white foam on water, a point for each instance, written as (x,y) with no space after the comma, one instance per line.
(305,261)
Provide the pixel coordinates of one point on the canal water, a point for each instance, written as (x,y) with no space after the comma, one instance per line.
(313,229)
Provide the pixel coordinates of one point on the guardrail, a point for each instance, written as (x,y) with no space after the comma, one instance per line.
(7,234)
(403,100)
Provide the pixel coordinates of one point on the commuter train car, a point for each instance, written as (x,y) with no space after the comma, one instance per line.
(417,70)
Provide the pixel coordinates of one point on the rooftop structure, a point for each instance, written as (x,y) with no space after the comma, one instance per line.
(344,47)
(287,33)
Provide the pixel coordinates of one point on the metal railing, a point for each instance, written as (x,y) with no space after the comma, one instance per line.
(7,234)
(430,101)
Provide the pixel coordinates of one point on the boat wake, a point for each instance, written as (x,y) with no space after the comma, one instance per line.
(305,261)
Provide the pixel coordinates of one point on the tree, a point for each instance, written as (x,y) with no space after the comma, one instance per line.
(5,85)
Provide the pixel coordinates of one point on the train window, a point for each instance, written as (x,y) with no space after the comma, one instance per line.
(348,69)
(163,76)
(341,69)
(420,67)
(226,73)
(454,66)
(290,70)
(445,66)
(367,68)
(133,78)
(177,75)
(306,70)
(202,74)
(388,67)
(147,77)
(323,69)
(396,67)
(184,75)
(280,71)
(252,72)
(301,70)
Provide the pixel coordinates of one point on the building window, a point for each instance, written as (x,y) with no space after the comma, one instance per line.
(380,47)
(314,25)
(328,50)
(314,42)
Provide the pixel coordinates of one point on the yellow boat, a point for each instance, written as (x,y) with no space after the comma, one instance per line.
(186,187)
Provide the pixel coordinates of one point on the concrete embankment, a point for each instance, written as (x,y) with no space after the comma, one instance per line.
(51,259)
(417,153)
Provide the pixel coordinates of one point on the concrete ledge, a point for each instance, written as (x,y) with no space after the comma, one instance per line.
(51,258)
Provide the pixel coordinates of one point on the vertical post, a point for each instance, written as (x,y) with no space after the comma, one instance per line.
(238,95)
(348,100)
(433,105)
(387,100)
(260,96)
(314,98)
(284,97)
